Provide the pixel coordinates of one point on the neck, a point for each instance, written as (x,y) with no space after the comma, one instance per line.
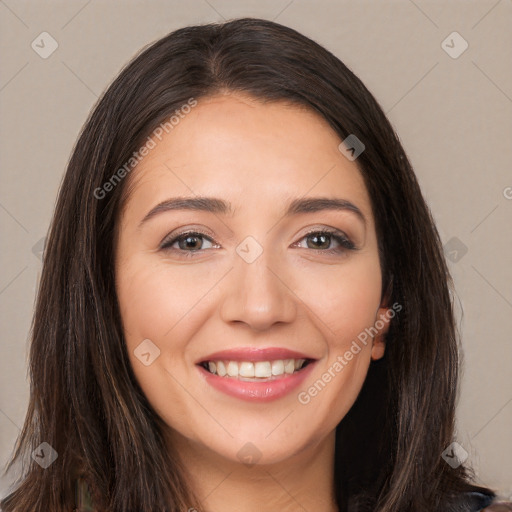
(302,482)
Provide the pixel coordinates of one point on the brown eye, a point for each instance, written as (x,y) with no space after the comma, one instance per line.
(193,242)
(188,242)
(322,240)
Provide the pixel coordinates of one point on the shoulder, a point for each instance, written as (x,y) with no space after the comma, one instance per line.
(499,507)
(483,502)
(474,501)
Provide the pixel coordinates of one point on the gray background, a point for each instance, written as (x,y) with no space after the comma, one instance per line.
(453,115)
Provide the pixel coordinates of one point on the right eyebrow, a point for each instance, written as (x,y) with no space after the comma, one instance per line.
(207,204)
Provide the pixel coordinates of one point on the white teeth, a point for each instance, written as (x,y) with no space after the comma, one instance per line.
(221,369)
(263,369)
(233,369)
(289,365)
(246,370)
(277,367)
(256,369)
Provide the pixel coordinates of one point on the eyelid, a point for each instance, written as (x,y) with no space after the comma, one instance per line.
(325,229)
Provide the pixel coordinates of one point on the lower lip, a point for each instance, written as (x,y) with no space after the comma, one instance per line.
(257,391)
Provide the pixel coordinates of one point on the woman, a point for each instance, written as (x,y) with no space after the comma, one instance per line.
(244,302)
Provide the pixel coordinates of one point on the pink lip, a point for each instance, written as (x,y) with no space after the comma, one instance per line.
(257,391)
(254,354)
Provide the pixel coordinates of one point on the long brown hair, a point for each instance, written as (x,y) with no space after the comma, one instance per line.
(84,399)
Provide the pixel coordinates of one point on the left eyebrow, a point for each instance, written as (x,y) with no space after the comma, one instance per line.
(216,205)
(315,204)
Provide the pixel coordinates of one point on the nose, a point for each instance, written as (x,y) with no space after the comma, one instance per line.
(258,295)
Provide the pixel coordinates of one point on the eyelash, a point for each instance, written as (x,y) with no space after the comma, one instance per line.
(344,243)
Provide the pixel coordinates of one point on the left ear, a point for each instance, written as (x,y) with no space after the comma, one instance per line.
(382,321)
(383,318)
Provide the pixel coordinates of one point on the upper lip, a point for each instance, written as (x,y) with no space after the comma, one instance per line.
(254,354)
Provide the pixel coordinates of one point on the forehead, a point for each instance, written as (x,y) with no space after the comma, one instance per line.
(248,151)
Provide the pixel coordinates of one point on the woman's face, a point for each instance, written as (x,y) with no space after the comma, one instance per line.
(259,289)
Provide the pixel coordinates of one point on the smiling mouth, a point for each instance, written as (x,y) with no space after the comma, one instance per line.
(255,371)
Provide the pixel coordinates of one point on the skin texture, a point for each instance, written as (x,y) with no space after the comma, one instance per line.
(258,156)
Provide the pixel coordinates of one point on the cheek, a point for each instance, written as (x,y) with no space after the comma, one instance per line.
(154,302)
(154,298)
(344,299)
